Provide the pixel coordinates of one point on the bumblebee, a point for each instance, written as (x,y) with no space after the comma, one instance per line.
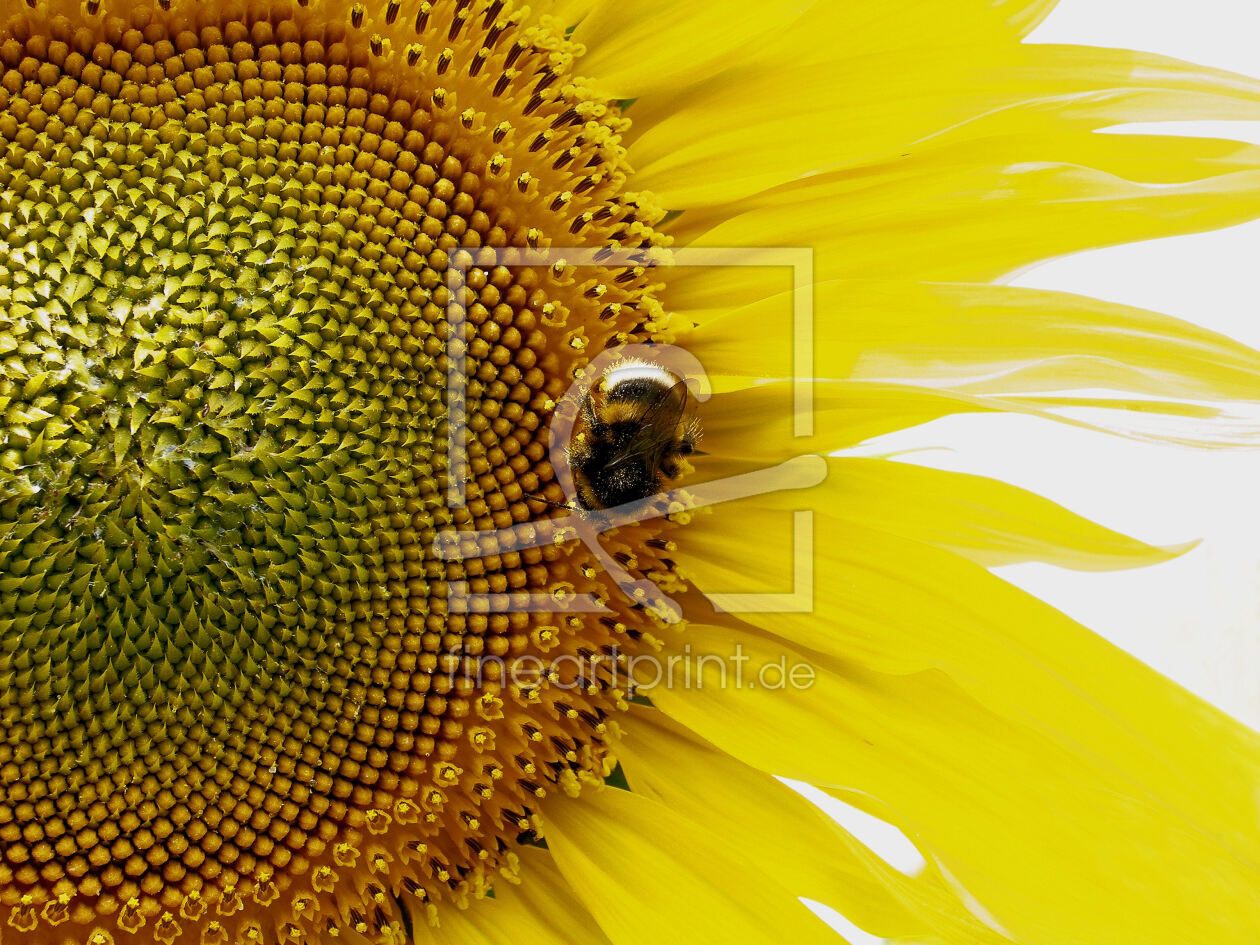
(633,432)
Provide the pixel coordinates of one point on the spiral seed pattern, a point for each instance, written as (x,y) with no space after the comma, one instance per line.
(235,702)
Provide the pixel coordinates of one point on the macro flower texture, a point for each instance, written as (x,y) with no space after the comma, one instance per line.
(315,626)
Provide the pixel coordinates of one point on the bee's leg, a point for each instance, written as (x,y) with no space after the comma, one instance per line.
(578,454)
(589,415)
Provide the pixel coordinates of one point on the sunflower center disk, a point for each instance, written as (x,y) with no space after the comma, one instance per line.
(235,704)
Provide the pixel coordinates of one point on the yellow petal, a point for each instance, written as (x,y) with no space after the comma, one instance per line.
(541,910)
(568,12)
(761,424)
(758,424)
(888,510)
(648,874)
(956,332)
(724,141)
(1152,420)
(854,579)
(1024,15)
(950,614)
(985,520)
(1011,338)
(974,211)
(864,29)
(800,846)
(1009,347)
(650,46)
(1053,776)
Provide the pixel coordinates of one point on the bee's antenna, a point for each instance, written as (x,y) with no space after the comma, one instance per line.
(555,505)
(535,497)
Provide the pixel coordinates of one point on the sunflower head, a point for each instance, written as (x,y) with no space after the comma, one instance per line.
(301,630)
(238,700)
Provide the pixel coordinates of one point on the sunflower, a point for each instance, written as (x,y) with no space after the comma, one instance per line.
(292,291)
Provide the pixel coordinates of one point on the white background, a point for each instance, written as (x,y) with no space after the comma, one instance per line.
(1197,618)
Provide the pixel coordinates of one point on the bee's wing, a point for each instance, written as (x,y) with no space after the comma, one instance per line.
(656,428)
